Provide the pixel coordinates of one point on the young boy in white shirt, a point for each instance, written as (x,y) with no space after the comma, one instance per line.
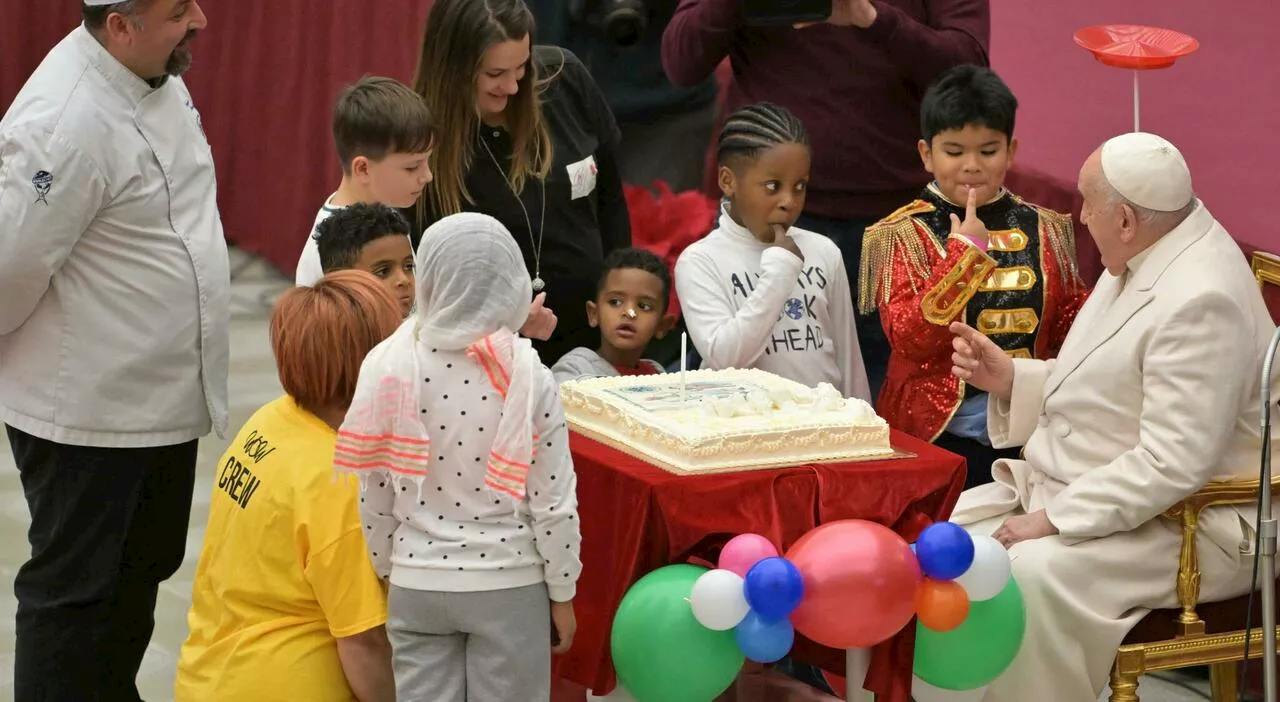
(757,292)
(383,133)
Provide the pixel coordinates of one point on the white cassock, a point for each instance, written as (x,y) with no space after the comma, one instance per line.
(1155,392)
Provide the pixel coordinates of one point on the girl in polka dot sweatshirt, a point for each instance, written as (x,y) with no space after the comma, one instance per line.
(468,489)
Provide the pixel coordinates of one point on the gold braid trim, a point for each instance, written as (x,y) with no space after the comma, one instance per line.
(880,243)
(1057,233)
(942,303)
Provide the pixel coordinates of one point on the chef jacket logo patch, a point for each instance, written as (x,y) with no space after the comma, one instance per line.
(42,181)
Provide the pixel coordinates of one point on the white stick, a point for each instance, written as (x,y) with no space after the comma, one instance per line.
(684,356)
(1135,102)
(856,663)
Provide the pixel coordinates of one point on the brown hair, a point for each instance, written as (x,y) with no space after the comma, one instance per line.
(380,116)
(320,335)
(457,35)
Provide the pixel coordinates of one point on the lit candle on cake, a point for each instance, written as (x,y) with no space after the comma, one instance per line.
(684,356)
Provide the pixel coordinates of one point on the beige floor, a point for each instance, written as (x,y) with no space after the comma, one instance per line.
(253,382)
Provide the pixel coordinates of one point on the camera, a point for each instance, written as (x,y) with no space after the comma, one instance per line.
(623,21)
(772,13)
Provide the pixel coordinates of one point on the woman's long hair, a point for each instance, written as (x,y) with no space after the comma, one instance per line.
(457,35)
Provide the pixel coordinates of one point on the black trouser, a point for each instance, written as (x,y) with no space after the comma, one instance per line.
(977,455)
(107,527)
(847,235)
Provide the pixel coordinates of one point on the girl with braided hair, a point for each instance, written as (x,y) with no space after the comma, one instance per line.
(758,292)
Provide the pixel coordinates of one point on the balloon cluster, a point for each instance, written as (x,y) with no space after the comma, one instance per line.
(752,592)
(682,632)
(970,614)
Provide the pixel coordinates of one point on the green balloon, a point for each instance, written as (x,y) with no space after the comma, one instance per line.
(979,650)
(660,652)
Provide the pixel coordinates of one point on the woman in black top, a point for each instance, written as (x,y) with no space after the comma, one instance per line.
(525,136)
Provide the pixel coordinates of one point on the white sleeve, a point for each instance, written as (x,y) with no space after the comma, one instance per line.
(377,512)
(725,338)
(553,495)
(49,193)
(309,271)
(853,373)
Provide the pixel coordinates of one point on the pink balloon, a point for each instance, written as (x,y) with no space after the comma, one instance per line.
(744,551)
(860,583)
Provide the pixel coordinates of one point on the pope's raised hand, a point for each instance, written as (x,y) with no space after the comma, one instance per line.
(979,362)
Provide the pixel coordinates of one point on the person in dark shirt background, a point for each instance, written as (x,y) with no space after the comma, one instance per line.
(856,82)
(666,128)
(526,137)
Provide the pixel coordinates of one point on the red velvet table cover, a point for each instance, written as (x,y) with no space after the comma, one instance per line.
(636,518)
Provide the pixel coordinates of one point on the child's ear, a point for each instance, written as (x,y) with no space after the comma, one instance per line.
(593,318)
(664,326)
(926,155)
(727,181)
(360,166)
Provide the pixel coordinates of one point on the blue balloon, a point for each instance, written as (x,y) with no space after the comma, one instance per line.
(764,641)
(774,588)
(913,547)
(945,551)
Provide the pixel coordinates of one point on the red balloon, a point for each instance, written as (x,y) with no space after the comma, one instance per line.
(860,583)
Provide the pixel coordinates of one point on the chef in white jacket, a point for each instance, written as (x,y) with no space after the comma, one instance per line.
(114,292)
(1155,392)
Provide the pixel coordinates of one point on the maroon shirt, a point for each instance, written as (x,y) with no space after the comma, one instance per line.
(857,90)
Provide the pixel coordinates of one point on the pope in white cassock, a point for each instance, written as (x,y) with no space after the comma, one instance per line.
(1155,392)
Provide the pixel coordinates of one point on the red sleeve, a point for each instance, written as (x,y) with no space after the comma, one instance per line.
(956,32)
(1058,239)
(698,38)
(918,295)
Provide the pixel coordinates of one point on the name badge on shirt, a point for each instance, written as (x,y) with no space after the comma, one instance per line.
(582,177)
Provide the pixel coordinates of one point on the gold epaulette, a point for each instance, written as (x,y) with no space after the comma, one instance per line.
(1057,232)
(880,243)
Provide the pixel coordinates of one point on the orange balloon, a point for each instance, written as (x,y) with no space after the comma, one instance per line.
(941,605)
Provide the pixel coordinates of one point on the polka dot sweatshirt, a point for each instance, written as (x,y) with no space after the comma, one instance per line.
(456,535)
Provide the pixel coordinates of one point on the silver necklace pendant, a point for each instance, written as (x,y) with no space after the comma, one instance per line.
(538,285)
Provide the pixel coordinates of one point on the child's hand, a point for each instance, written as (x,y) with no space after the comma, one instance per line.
(541,321)
(563,626)
(783,240)
(971,228)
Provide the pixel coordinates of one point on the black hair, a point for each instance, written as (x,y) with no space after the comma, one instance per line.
(638,259)
(95,16)
(755,128)
(967,95)
(344,233)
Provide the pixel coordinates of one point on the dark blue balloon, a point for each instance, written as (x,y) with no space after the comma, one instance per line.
(945,551)
(764,641)
(774,588)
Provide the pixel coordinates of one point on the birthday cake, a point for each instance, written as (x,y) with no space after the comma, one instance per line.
(723,420)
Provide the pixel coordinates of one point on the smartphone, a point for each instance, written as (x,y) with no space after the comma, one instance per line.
(772,13)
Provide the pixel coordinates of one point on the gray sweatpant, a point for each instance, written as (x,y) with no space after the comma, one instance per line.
(490,646)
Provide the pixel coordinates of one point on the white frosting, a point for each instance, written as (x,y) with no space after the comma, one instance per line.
(726,419)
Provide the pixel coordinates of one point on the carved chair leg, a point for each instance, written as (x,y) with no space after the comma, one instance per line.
(1224,681)
(1124,687)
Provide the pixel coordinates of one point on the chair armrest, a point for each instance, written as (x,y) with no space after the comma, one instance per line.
(1187,513)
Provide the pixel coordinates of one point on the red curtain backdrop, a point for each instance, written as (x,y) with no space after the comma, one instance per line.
(265,76)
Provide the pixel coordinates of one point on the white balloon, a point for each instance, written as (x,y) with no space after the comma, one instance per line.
(990,571)
(922,691)
(719,600)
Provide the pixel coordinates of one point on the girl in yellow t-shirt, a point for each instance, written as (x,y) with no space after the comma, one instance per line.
(286,605)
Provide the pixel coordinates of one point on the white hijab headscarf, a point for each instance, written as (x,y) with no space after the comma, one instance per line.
(473,293)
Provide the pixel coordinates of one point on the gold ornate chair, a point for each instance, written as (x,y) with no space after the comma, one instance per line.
(1194,635)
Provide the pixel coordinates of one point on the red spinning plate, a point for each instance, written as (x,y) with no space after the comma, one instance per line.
(1134,46)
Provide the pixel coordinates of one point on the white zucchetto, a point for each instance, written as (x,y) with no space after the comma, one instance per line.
(1148,171)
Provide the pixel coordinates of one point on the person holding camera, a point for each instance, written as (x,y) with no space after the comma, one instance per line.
(620,42)
(855,80)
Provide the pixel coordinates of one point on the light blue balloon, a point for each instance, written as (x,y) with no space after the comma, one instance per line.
(764,641)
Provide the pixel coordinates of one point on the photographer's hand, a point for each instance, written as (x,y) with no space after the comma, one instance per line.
(848,13)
